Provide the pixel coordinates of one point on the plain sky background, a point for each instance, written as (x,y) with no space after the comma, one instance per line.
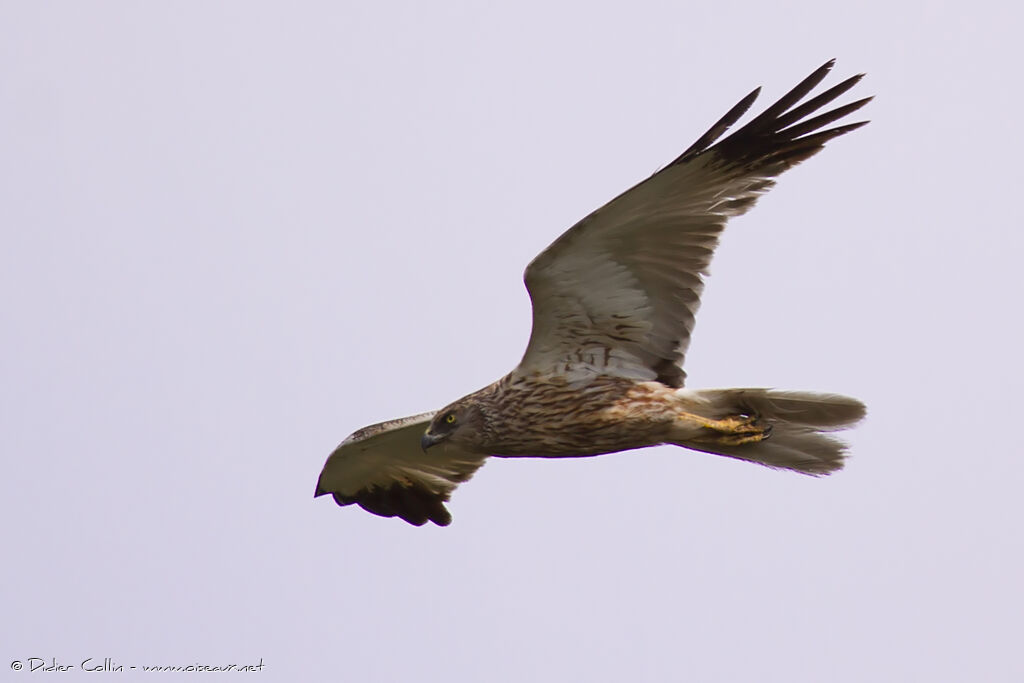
(233,233)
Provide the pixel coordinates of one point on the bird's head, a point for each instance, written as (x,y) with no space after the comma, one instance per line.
(460,423)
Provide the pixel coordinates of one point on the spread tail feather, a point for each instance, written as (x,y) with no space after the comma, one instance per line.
(800,423)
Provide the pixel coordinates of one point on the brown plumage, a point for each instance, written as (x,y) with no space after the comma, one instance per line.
(614,300)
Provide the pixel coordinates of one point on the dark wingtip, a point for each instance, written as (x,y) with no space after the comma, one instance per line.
(789,131)
(412,504)
(721,126)
(441,517)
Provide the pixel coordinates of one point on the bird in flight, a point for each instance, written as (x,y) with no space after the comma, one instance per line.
(614,300)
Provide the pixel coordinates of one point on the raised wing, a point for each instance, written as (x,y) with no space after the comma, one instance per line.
(384,470)
(617,293)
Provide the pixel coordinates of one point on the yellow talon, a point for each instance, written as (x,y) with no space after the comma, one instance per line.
(736,430)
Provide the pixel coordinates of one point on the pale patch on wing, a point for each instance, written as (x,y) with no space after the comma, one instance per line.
(617,293)
(383,469)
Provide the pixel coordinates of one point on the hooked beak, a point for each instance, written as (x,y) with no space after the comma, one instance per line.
(428,440)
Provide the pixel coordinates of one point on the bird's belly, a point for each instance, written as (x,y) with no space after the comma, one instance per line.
(637,415)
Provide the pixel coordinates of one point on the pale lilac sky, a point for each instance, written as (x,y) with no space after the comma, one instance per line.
(233,233)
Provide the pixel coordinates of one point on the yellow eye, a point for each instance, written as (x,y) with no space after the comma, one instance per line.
(450,418)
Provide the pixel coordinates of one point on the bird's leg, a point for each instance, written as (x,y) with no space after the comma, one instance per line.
(734,430)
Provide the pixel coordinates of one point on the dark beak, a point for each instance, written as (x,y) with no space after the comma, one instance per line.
(428,440)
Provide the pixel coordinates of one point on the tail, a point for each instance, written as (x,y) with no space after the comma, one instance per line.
(800,424)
